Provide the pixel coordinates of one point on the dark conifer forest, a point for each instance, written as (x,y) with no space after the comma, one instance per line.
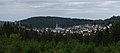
(15,39)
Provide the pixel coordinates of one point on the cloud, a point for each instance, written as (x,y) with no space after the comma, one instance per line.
(111,4)
(94,9)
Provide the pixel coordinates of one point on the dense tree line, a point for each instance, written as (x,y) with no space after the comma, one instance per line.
(14,44)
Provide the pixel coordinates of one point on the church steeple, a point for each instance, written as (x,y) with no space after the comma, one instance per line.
(56,25)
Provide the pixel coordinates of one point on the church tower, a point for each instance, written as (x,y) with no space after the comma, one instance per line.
(56,25)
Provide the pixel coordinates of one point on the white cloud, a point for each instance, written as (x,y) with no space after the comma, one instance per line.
(111,4)
(19,9)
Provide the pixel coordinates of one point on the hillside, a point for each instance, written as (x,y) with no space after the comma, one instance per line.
(50,22)
(113,19)
(2,22)
(44,22)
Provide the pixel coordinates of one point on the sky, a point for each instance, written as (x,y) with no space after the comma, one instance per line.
(13,10)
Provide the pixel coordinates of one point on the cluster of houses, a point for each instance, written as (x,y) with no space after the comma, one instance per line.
(86,29)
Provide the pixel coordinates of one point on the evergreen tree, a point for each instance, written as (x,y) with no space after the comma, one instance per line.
(98,37)
(115,32)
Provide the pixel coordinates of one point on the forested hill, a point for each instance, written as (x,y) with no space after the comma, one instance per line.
(50,22)
(114,19)
(2,22)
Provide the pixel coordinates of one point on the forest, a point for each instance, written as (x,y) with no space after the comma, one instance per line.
(14,39)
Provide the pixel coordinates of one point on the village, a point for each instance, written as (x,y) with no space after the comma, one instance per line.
(87,29)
